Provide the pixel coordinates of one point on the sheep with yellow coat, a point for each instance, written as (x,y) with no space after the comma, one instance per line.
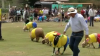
(30,25)
(94,37)
(59,41)
(36,33)
(49,37)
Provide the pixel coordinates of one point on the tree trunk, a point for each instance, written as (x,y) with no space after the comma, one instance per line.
(3,4)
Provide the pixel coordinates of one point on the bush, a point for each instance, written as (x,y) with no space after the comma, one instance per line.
(5,10)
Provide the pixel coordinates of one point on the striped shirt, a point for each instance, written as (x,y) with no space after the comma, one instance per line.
(77,24)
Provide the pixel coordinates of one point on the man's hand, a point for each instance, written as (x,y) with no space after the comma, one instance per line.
(64,32)
(86,36)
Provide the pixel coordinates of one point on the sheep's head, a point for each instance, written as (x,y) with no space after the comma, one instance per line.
(84,44)
(56,39)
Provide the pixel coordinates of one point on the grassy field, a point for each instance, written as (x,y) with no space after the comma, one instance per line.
(18,43)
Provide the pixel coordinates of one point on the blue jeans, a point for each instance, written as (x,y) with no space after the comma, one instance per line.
(99,45)
(91,21)
(0,31)
(74,42)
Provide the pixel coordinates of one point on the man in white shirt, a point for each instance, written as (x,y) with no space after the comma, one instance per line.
(77,24)
(91,14)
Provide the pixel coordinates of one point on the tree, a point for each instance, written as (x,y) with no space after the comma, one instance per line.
(3,3)
(31,2)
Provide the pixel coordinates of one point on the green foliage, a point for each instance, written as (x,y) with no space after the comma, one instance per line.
(5,10)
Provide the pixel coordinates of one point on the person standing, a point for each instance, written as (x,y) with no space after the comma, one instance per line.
(35,13)
(91,14)
(99,46)
(77,24)
(83,13)
(55,11)
(87,15)
(0,27)
(26,14)
(62,13)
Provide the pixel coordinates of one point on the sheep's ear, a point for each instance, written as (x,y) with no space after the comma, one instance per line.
(56,39)
(54,35)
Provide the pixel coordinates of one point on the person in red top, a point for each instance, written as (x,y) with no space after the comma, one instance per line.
(98,39)
(83,13)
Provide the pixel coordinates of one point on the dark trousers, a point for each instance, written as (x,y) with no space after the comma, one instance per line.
(91,21)
(74,42)
(18,17)
(99,44)
(0,31)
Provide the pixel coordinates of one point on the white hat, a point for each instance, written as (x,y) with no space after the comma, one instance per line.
(71,10)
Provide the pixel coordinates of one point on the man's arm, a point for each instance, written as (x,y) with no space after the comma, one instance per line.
(85,26)
(67,26)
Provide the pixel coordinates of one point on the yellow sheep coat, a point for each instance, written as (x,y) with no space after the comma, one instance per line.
(33,35)
(92,38)
(50,36)
(29,25)
(62,41)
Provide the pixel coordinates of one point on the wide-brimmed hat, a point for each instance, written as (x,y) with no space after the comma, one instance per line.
(71,10)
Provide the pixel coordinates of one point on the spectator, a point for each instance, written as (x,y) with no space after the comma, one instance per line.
(25,14)
(62,14)
(87,15)
(98,12)
(83,12)
(12,14)
(35,13)
(91,14)
(18,14)
(0,27)
(4,18)
(55,11)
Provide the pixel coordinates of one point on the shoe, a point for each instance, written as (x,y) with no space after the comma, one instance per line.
(1,39)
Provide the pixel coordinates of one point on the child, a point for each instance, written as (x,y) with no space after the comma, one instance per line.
(56,19)
(40,18)
(86,21)
(45,17)
(31,18)
(4,18)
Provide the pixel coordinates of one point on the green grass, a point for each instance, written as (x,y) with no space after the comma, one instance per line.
(18,43)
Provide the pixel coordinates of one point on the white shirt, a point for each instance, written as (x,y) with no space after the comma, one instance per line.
(77,24)
(95,11)
(91,12)
(18,12)
(62,11)
(24,14)
(45,11)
